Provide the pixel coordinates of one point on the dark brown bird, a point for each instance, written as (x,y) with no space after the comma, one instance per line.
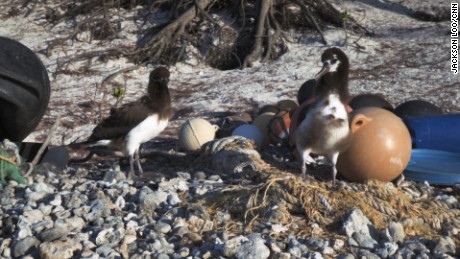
(324,129)
(137,122)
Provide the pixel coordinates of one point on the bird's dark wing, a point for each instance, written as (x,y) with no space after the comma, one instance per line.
(122,120)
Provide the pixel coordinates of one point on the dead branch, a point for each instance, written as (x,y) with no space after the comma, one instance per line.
(264,7)
(311,18)
(47,141)
(168,35)
(223,43)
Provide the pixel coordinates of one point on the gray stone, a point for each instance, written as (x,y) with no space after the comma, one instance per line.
(253,248)
(113,176)
(346,256)
(356,221)
(162,227)
(327,250)
(352,242)
(107,252)
(184,251)
(150,200)
(110,237)
(160,245)
(53,234)
(42,187)
(120,202)
(199,176)
(280,255)
(45,209)
(364,241)
(315,255)
(63,214)
(173,199)
(404,253)
(222,217)
(445,245)
(24,246)
(416,246)
(315,243)
(4,244)
(7,252)
(184,175)
(74,200)
(42,225)
(24,228)
(387,249)
(295,251)
(338,244)
(364,253)
(396,231)
(57,201)
(60,248)
(33,216)
(98,209)
(75,224)
(232,244)
(175,184)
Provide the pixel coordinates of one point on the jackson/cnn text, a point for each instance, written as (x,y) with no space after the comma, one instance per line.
(454,38)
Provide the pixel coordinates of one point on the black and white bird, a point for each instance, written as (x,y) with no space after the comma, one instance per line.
(137,122)
(325,130)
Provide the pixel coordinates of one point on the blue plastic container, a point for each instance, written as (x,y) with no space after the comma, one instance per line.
(436,132)
(434,166)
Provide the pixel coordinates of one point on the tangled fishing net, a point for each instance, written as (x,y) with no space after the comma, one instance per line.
(281,196)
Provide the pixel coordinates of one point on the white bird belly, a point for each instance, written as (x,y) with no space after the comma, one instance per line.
(149,128)
(321,121)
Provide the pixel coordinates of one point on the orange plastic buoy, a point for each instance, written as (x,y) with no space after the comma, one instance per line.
(279,127)
(380,148)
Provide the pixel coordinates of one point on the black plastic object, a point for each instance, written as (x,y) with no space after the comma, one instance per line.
(24,90)
(417,108)
(370,100)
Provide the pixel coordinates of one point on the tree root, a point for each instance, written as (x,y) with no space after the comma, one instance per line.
(168,35)
(244,32)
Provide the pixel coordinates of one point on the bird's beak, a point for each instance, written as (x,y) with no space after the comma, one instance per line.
(324,70)
(163,81)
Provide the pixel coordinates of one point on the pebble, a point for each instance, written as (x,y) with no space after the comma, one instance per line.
(445,245)
(364,241)
(23,246)
(53,234)
(113,176)
(232,244)
(253,248)
(356,221)
(162,227)
(396,231)
(60,249)
(72,216)
(150,200)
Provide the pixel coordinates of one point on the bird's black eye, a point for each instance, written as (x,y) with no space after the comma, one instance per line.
(334,61)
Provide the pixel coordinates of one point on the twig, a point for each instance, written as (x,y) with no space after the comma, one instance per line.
(312,19)
(124,70)
(205,14)
(47,141)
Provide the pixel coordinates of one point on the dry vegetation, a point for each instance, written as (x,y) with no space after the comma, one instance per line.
(228,34)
